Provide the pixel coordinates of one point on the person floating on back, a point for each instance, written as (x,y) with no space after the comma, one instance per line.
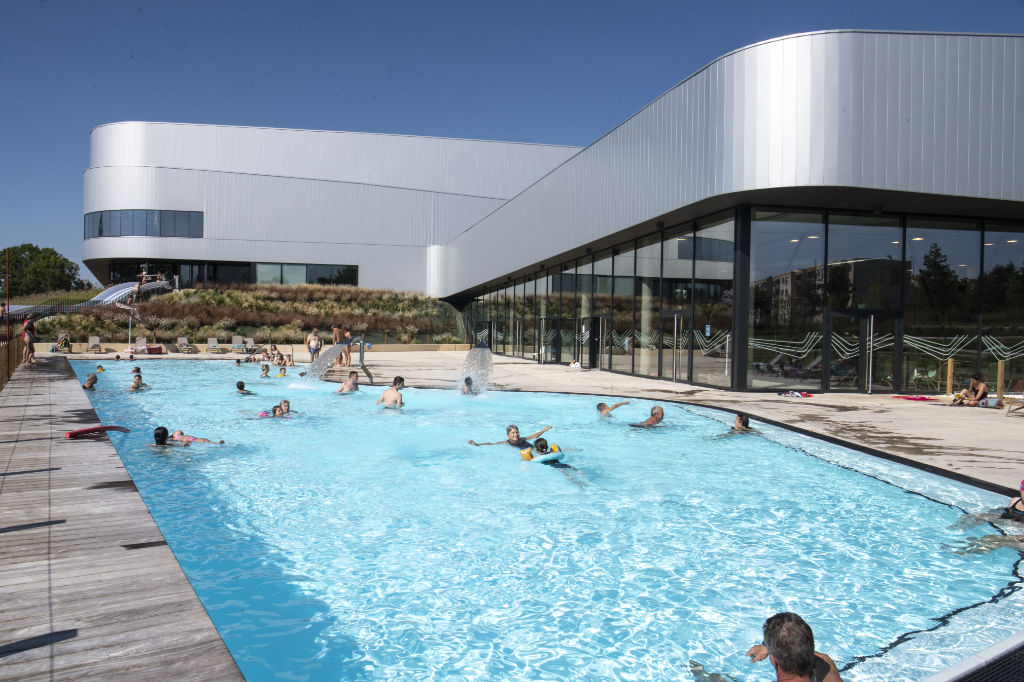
(657,414)
(187,440)
(393,396)
(789,645)
(605,411)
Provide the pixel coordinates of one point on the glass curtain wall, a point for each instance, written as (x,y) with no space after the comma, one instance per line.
(567,314)
(714,245)
(548,320)
(623,326)
(600,344)
(1002,340)
(648,298)
(530,319)
(942,296)
(863,298)
(787,276)
(585,293)
(677,303)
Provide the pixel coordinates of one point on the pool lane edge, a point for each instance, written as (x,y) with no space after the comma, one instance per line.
(92,589)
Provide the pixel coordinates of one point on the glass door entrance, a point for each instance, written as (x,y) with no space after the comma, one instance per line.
(599,342)
(584,331)
(861,351)
(549,340)
(675,346)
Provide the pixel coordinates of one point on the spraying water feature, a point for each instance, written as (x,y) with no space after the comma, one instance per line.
(327,358)
(477,366)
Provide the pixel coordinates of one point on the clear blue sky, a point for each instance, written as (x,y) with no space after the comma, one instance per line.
(551,72)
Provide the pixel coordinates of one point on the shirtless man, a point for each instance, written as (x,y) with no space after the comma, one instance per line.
(351,384)
(90,382)
(605,411)
(741,424)
(313,343)
(336,339)
(393,396)
(657,414)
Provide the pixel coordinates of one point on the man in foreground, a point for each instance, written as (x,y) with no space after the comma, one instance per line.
(789,645)
(351,384)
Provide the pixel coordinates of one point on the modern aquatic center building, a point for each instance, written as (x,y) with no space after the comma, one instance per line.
(841,210)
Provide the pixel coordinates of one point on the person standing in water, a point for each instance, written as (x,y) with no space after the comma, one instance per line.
(393,396)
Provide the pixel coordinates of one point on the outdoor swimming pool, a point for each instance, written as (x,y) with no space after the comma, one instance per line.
(355,542)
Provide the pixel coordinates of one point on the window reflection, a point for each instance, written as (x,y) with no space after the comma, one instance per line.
(713,300)
(1003,291)
(677,303)
(143,223)
(787,275)
(941,316)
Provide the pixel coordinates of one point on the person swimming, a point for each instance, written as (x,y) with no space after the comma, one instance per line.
(266,371)
(605,411)
(283,372)
(242,390)
(657,414)
(186,439)
(513,438)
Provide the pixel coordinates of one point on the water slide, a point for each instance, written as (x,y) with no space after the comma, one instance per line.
(115,294)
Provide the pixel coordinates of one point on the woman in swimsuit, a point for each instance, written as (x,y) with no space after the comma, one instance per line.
(28,335)
(185,439)
(514,439)
(973,394)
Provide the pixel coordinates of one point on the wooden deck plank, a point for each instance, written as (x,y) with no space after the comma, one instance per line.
(135,613)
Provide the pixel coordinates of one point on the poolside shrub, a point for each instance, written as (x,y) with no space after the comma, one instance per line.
(270,313)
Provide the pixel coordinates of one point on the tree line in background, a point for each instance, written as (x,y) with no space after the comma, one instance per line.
(36,270)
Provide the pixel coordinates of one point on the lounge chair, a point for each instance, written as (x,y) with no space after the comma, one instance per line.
(250,345)
(1013,404)
(94,345)
(141,345)
(211,345)
(236,344)
(63,342)
(185,347)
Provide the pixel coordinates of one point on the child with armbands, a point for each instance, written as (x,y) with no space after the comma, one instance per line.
(541,451)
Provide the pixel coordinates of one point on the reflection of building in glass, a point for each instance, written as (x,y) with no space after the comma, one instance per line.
(736,232)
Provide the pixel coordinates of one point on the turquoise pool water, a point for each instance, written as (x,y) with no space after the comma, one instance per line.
(353,542)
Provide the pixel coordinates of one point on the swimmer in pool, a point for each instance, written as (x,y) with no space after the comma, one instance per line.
(512,431)
(393,396)
(238,363)
(137,384)
(1015,510)
(99,368)
(186,440)
(657,414)
(468,388)
(266,372)
(741,424)
(350,385)
(90,382)
(160,436)
(283,372)
(242,390)
(286,407)
(605,411)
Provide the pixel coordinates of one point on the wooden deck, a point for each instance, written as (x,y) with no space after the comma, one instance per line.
(89,588)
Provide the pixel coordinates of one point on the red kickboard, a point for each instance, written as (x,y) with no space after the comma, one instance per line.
(94,431)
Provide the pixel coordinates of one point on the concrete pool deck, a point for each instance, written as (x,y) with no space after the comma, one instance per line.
(92,591)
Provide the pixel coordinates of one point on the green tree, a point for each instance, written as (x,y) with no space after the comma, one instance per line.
(939,283)
(36,270)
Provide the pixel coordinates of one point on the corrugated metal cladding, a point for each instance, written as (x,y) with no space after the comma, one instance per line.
(924,113)
(465,167)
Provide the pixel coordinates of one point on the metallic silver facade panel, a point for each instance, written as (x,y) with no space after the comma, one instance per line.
(923,113)
(917,113)
(376,201)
